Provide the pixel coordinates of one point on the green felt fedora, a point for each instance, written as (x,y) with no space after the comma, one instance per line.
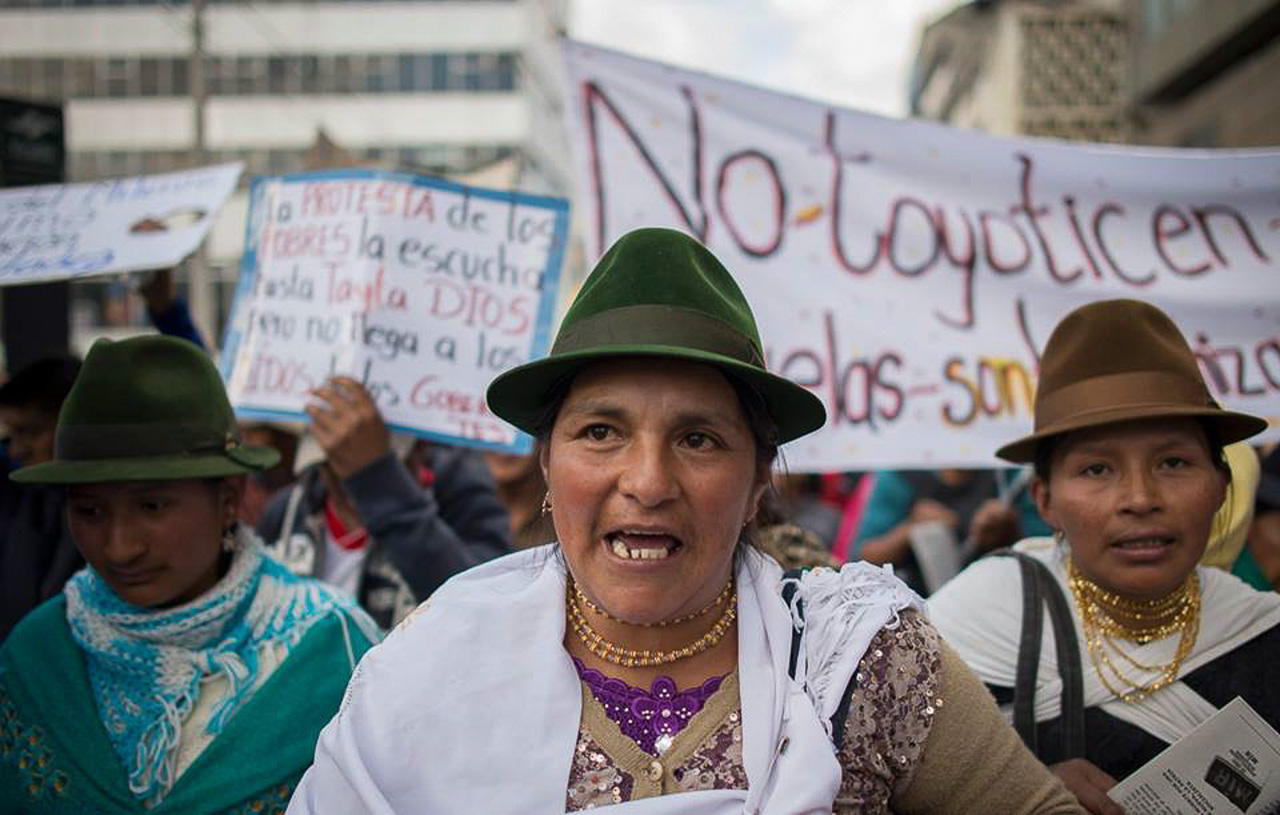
(148,408)
(657,293)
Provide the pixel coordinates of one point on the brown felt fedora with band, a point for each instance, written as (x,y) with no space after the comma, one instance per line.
(1117,361)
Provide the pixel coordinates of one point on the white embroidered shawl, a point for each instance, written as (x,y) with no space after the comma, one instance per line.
(473,705)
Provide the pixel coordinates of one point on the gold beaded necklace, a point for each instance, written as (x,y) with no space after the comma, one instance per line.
(1108,617)
(632,658)
(585,601)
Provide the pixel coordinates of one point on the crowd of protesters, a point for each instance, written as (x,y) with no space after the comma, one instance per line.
(644,607)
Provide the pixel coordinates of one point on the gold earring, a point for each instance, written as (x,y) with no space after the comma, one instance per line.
(546,502)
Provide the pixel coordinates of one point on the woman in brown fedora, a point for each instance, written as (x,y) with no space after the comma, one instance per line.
(1138,644)
(181,671)
(651,657)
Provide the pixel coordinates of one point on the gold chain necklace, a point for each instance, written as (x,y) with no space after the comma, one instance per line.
(585,601)
(1151,620)
(631,658)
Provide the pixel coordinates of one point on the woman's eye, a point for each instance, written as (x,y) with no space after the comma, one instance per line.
(699,441)
(1175,462)
(598,432)
(155,504)
(1094,470)
(84,511)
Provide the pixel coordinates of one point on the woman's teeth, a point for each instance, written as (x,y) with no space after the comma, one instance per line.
(1142,543)
(640,553)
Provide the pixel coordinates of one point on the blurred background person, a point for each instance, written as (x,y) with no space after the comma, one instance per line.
(264,485)
(360,519)
(1259,561)
(37,554)
(948,517)
(522,490)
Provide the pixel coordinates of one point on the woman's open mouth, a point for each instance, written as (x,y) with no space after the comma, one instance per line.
(1150,542)
(638,545)
(1144,548)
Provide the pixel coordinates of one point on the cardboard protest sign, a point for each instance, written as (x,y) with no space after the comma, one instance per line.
(60,231)
(910,273)
(422,289)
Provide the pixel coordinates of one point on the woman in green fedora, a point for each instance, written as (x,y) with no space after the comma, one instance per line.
(652,657)
(181,671)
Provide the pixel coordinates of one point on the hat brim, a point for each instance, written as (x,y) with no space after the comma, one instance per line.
(247,458)
(1230,426)
(519,396)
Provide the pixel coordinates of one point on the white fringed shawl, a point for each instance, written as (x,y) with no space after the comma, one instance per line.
(979,613)
(473,705)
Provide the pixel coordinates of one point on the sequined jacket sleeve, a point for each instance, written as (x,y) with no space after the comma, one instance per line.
(923,735)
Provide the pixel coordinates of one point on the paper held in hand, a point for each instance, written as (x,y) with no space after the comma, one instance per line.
(1230,764)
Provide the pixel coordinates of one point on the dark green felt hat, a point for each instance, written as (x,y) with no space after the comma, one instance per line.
(148,408)
(657,292)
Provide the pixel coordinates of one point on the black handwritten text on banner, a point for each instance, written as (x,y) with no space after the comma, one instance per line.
(909,273)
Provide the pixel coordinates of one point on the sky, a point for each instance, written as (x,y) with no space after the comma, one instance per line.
(849,53)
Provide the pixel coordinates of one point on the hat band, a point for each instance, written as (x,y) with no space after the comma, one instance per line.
(1138,389)
(104,441)
(658,325)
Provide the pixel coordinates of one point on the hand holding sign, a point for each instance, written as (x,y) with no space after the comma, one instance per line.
(348,426)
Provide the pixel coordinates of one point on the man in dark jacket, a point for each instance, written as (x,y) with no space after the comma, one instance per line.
(37,554)
(386,529)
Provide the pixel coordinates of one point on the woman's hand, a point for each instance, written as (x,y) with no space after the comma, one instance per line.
(995,524)
(1089,785)
(348,426)
(927,509)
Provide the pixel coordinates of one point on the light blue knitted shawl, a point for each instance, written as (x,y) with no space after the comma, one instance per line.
(146,665)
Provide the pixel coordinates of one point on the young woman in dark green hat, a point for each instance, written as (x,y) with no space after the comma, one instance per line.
(181,671)
(652,655)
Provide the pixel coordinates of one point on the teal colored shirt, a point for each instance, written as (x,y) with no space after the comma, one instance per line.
(56,759)
(1248,570)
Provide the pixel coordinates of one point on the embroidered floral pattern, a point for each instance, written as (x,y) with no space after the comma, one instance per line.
(594,780)
(649,718)
(890,715)
(717,763)
(889,719)
(24,748)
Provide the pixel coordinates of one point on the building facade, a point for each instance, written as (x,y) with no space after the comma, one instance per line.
(1204,72)
(438,86)
(1053,69)
(1183,73)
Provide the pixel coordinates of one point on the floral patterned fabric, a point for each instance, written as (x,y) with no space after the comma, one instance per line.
(890,716)
(651,718)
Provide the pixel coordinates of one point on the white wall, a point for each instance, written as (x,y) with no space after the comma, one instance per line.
(312,28)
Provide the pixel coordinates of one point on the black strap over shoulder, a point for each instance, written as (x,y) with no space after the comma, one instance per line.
(1039,588)
(841,716)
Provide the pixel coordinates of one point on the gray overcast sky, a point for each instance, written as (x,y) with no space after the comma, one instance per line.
(851,53)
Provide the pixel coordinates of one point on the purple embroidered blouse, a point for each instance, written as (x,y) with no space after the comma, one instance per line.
(649,718)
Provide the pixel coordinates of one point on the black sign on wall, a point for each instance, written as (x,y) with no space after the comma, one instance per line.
(32,151)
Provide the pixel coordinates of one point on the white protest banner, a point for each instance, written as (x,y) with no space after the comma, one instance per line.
(422,289)
(910,273)
(59,231)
